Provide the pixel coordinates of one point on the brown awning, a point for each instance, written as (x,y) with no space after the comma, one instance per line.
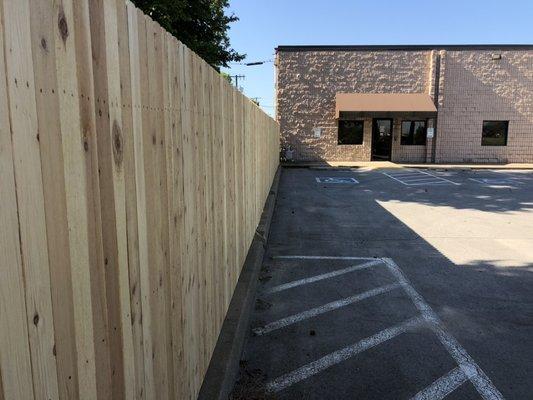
(384,102)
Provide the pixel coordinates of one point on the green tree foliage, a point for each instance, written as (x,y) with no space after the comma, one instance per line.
(226,76)
(202,25)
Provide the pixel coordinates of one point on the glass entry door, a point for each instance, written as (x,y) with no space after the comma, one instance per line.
(381,139)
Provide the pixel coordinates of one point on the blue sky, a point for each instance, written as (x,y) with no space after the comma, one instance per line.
(265,24)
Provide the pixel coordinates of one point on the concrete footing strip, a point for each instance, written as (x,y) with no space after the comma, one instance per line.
(338,356)
(321,277)
(292,319)
(443,386)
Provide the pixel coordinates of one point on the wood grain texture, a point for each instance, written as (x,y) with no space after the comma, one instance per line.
(87,113)
(43,17)
(30,197)
(142,139)
(133,179)
(76,182)
(15,359)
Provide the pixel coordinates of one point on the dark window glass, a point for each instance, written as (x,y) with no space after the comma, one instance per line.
(350,132)
(494,133)
(413,133)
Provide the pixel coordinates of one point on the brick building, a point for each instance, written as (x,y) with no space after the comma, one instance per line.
(462,103)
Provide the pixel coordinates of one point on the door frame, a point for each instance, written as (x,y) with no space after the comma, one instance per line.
(374,125)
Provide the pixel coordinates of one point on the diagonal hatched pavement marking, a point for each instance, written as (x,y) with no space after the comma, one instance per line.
(467,367)
(313,312)
(316,278)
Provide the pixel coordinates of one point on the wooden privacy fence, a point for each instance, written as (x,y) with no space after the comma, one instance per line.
(132,179)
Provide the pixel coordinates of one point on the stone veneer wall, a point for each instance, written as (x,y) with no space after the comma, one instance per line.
(478,88)
(307,82)
(472,87)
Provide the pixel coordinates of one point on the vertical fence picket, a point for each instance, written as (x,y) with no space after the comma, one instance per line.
(15,362)
(133,178)
(30,196)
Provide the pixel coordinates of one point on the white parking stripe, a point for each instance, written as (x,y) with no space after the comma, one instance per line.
(412,178)
(479,379)
(406,175)
(392,177)
(338,356)
(497,181)
(439,177)
(322,258)
(423,178)
(443,386)
(292,319)
(476,375)
(467,367)
(321,277)
(429,182)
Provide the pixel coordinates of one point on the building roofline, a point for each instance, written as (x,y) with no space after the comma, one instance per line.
(403,47)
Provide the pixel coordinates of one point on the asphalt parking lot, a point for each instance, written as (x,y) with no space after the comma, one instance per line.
(395,284)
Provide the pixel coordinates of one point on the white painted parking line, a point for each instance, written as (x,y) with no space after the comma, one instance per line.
(497,181)
(424,178)
(406,175)
(467,367)
(429,182)
(474,373)
(438,177)
(413,178)
(443,386)
(321,277)
(396,179)
(292,319)
(341,355)
(296,257)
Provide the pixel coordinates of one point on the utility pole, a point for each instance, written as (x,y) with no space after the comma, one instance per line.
(237,77)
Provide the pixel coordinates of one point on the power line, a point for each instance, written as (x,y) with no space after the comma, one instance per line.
(250,64)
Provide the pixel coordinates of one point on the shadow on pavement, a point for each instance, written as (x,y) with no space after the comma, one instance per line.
(468,250)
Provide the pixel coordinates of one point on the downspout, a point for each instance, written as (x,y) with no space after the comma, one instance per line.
(436,101)
(434,90)
(276,88)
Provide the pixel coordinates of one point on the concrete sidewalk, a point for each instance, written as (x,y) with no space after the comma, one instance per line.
(390,165)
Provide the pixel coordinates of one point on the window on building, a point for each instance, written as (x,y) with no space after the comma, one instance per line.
(350,132)
(413,133)
(494,133)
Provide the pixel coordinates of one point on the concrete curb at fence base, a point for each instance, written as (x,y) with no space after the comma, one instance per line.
(224,365)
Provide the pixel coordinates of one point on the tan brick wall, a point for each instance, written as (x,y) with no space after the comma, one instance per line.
(308,81)
(472,87)
(476,88)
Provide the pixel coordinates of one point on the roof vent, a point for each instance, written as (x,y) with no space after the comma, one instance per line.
(496,56)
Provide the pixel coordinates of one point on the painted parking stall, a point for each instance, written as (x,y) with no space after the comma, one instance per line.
(499,181)
(467,369)
(411,177)
(392,288)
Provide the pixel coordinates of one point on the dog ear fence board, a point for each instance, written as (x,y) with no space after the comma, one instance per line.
(133,177)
